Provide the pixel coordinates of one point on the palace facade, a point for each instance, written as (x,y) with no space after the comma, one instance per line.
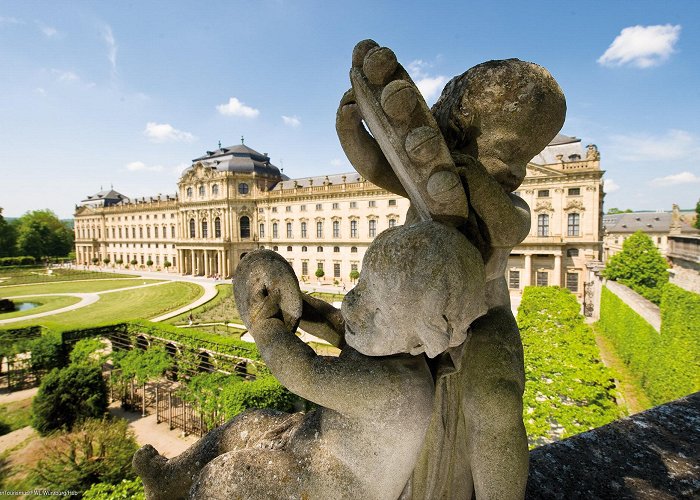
(233,200)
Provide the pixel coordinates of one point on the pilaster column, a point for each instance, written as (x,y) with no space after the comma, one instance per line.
(194,264)
(527,272)
(206,262)
(557,270)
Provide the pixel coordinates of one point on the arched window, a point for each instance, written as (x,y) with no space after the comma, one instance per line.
(304,249)
(289,249)
(572,252)
(217,227)
(141,232)
(215,189)
(303,229)
(172,231)
(372,228)
(543,225)
(319,229)
(353,249)
(245,226)
(243,188)
(336,229)
(392,222)
(205,229)
(189,192)
(319,249)
(274,230)
(336,249)
(148,231)
(201,191)
(574,223)
(262,230)
(275,248)
(155,231)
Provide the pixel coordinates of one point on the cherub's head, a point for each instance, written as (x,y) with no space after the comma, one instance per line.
(420,288)
(503,113)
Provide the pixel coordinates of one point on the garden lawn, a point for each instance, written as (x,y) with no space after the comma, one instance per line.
(45,304)
(220,309)
(140,303)
(72,287)
(15,415)
(21,275)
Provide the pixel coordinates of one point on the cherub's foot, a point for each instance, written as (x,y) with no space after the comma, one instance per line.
(152,469)
(407,133)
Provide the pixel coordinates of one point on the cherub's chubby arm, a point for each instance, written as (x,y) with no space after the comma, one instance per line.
(361,149)
(321,319)
(325,380)
(506,216)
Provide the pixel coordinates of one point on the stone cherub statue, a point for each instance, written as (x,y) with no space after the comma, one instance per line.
(422,285)
(493,118)
(375,398)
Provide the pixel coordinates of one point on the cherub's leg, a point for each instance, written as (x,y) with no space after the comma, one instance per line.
(361,149)
(165,479)
(252,474)
(493,408)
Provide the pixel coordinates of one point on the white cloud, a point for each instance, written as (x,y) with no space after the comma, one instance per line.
(673,145)
(48,31)
(610,186)
(292,121)
(676,179)
(641,46)
(429,86)
(108,38)
(65,76)
(136,166)
(234,107)
(10,20)
(164,132)
(337,162)
(42,92)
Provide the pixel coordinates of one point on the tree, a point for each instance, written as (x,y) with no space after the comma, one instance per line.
(640,266)
(167,264)
(354,275)
(149,263)
(99,451)
(41,234)
(88,351)
(143,365)
(133,262)
(67,396)
(8,237)
(319,273)
(697,215)
(119,262)
(106,261)
(47,352)
(95,260)
(618,211)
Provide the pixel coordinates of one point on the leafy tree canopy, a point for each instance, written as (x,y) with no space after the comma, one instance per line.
(41,234)
(67,396)
(8,237)
(143,365)
(640,266)
(618,211)
(697,211)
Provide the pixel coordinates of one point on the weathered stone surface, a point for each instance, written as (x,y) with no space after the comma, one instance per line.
(652,455)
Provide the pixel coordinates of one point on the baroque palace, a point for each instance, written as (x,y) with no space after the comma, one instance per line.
(233,200)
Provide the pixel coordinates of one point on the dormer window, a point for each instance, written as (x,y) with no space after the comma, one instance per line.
(189,192)
(243,188)
(215,190)
(201,191)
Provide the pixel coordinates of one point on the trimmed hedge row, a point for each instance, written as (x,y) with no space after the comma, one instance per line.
(22,260)
(568,390)
(667,363)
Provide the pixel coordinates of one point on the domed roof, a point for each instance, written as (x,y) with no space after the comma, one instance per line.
(240,159)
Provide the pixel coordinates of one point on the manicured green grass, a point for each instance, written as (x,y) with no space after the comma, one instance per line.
(45,304)
(21,275)
(221,309)
(15,415)
(76,286)
(328,297)
(139,303)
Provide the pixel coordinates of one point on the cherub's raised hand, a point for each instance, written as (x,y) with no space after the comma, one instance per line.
(265,305)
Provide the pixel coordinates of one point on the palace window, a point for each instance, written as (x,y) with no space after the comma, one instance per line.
(274,210)
(336,249)
(262,230)
(319,229)
(140,232)
(336,269)
(353,229)
(302,208)
(243,188)
(543,225)
(148,231)
(336,229)
(201,191)
(514,279)
(542,278)
(304,268)
(353,266)
(287,209)
(392,222)
(543,193)
(215,190)
(392,203)
(319,249)
(289,249)
(353,249)
(274,230)
(573,225)
(189,192)
(319,207)
(217,228)
(275,248)
(304,249)
(289,229)
(572,252)
(155,231)
(372,204)
(205,229)
(572,281)
(319,265)
(172,232)
(335,206)
(303,229)
(245,226)
(353,204)
(372,228)
(574,192)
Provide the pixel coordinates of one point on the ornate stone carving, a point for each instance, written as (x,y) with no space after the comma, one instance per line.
(574,205)
(544,206)
(430,349)
(592,152)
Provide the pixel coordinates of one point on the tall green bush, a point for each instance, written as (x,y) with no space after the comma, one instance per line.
(667,364)
(568,389)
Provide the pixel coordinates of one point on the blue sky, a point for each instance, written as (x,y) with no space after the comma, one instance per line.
(94,94)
